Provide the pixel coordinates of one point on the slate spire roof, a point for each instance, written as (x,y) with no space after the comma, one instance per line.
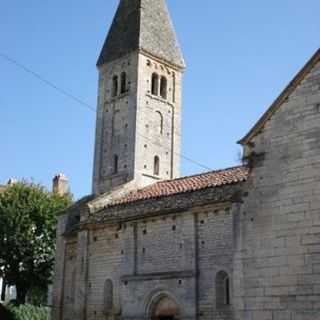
(142,25)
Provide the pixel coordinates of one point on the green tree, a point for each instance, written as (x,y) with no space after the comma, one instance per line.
(28,216)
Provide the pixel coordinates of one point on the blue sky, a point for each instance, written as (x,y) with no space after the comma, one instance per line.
(240,55)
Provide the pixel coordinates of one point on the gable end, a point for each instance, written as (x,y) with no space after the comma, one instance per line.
(281,99)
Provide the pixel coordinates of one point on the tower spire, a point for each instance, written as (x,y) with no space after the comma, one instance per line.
(139,103)
(143,25)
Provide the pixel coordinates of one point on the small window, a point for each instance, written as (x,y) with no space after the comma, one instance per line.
(156,166)
(223,299)
(115,86)
(155,84)
(123,82)
(115,164)
(163,87)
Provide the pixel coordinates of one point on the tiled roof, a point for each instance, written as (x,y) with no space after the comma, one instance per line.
(206,180)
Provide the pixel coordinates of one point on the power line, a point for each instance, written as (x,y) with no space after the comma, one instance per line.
(84,104)
(45,81)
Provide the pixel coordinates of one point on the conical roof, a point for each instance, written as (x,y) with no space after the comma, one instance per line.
(142,25)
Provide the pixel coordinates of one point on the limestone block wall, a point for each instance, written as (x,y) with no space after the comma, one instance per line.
(158,121)
(69,282)
(161,255)
(279,244)
(216,247)
(137,125)
(115,125)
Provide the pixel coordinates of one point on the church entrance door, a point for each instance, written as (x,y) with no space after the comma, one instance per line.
(165,309)
(166,318)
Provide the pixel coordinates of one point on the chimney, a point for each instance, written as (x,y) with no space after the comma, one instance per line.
(60,185)
(12,181)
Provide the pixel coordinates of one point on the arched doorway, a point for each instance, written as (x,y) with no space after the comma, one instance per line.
(165,308)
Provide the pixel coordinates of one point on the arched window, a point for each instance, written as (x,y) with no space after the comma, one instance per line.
(115,86)
(163,87)
(156,166)
(123,88)
(155,84)
(222,290)
(115,164)
(108,296)
(159,122)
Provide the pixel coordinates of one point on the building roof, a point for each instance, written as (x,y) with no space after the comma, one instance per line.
(212,179)
(142,25)
(282,98)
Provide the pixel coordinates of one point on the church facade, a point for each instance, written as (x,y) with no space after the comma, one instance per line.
(241,243)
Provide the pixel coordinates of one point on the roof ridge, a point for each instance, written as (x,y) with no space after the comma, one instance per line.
(200,174)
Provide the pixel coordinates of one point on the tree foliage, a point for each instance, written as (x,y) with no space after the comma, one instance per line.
(28,216)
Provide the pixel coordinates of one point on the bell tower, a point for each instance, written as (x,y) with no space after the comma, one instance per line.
(138,126)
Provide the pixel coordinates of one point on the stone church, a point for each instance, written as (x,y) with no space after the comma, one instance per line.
(241,243)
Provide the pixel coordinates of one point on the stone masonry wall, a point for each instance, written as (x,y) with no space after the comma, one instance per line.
(163,254)
(278,258)
(153,137)
(136,125)
(115,125)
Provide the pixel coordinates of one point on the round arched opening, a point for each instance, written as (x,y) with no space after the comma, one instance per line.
(165,309)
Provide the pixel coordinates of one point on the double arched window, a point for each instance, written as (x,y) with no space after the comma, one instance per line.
(115,84)
(223,298)
(155,79)
(163,87)
(155,84)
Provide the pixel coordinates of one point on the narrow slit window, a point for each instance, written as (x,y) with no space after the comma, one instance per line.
(227,291)
(114,86)
(174,87)
(156,166)
(115,164)
(123,82)
(163,87)
(155,84)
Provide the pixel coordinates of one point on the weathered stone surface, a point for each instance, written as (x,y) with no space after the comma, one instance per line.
(247,250)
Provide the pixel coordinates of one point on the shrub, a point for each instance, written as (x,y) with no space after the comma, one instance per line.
(29,312)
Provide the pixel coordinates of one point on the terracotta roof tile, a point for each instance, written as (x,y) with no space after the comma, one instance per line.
(186,184)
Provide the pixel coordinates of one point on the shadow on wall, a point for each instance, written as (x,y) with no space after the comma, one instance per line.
(5,314)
